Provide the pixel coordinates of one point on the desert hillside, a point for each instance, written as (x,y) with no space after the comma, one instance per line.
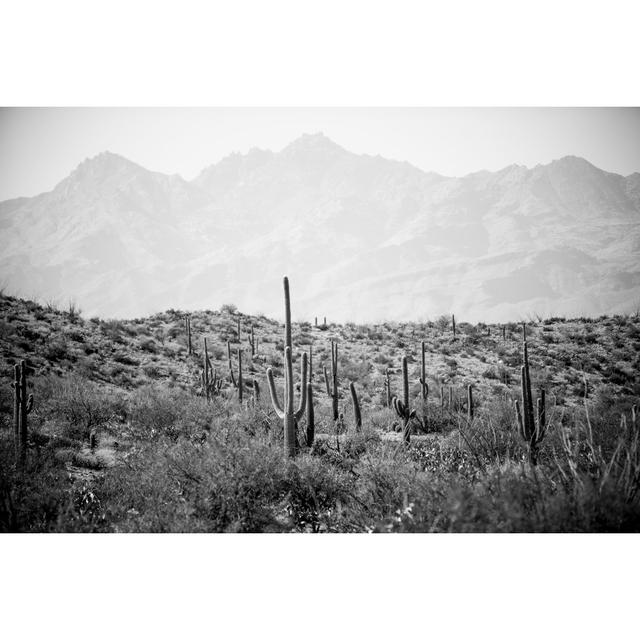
(123,438)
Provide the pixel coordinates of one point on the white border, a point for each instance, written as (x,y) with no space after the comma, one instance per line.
(317,54)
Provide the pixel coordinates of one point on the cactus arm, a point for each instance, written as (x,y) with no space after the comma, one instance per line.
(288,381)
(274,395)
(303,396)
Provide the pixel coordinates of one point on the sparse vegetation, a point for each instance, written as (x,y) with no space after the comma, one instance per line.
(127,433)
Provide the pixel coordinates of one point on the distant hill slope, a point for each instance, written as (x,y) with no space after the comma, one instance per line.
(361,237)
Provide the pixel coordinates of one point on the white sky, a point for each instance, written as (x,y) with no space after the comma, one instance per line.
(41,146)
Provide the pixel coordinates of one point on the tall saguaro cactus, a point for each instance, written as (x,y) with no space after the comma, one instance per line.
(402,407)
(22,406)
(237,383)
(253,342)
(187,324)
(387,386)
(286,412)
(332,391)
(423,375)
(211,384)
(356,408)
(425,387)
(531,430)
(453,322)
(311,421)
(205,373)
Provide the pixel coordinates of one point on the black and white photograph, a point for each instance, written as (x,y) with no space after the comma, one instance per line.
(308,338)
(332,272)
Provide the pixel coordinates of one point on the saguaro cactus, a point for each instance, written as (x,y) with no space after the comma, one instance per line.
(238,384)
(356,408)
(453,323)
(332,391)
(311,422)
(402,407)
(205,372)
(211,383)
(187,323)
(22,406)
(532,431)
(425,387)
(238,331)
(253,343)
(387,385)
(287,414)
(469,403)
(423,376)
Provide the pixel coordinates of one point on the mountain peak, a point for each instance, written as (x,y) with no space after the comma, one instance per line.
(102,166)
(312,142)
(573,162)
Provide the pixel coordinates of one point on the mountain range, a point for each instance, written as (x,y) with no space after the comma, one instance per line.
(361,238)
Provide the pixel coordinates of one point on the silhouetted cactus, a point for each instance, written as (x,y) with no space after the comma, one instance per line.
(287,414)
(531,430)
(453,323)
(470,403)
(356,408)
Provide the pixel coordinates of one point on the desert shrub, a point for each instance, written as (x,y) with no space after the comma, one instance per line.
(149,345)
(230,309)
(81,404)
(56,350)
(39,498)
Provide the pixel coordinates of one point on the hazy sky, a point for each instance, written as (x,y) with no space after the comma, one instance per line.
(40,146)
